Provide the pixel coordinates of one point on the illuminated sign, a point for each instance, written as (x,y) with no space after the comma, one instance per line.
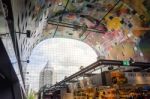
(126,63)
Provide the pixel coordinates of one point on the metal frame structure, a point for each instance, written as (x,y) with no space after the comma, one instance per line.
(60,18)
(99,63)
(72,26)
(62,24)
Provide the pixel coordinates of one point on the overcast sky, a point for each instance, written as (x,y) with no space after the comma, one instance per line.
(64,55)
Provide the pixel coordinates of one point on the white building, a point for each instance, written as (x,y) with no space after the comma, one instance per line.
(46,75)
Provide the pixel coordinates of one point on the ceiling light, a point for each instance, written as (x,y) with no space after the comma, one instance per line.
(60,4)
(135,48)
(141,54)
(129,34)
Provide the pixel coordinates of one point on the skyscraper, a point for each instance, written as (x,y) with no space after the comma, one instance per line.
(46,75)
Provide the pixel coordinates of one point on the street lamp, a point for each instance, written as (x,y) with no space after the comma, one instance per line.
(28,33)
(27,61)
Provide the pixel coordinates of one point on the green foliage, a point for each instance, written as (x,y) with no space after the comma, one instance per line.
(31,95)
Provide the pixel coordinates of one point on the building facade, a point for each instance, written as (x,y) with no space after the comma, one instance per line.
(46,75)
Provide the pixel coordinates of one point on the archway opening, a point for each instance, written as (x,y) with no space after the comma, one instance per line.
(61,56)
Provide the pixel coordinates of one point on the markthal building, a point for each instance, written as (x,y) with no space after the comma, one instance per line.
(74,49)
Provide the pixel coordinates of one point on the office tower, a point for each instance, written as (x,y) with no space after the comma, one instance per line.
(46,75)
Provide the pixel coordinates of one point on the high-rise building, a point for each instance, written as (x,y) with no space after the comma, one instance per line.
(46,75)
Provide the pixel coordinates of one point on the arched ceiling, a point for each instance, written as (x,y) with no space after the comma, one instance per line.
(115,29)
(112,27)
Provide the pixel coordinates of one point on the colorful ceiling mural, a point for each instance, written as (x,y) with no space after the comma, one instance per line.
(115,29)
(112,27)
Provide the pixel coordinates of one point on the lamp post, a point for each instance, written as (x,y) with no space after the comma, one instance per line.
(26,61)
(28,33)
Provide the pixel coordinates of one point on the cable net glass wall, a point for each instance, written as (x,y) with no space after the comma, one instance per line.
(54,59)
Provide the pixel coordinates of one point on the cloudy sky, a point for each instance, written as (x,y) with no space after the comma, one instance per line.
(64,55)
